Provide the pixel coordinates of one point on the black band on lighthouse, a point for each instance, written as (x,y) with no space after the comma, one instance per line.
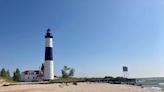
(48,50)
(48,34)
(48,53)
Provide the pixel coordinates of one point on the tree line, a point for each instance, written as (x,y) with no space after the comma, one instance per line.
(6,74)
(67,72)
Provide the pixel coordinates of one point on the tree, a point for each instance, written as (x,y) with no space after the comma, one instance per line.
(16,75)
(67,72)
(8,74)
(71,73)
(3,73)
(64,72)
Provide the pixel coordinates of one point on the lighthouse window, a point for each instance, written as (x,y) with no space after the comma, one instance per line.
(26,72)
(37,72)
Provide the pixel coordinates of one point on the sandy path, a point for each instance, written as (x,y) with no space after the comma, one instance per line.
(81,87)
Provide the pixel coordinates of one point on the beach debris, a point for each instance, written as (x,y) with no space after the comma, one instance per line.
(5,85)
(74,83)
(60,86)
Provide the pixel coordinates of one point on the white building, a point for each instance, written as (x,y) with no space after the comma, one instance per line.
(32,75)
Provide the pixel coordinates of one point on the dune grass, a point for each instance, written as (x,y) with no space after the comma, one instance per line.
(6,80)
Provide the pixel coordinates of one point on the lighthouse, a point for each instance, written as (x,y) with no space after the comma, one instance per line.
(49,63)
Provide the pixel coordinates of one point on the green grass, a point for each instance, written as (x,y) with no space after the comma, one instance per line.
(73,79)
(63,80)
(6,80)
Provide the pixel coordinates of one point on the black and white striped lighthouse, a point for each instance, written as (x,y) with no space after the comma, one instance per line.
(48,64)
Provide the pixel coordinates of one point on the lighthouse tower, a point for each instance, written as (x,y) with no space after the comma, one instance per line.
(48,64)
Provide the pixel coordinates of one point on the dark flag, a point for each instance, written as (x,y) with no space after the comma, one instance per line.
(125,68)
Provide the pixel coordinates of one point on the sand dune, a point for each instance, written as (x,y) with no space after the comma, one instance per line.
(81,87)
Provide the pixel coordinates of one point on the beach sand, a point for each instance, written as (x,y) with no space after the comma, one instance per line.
(81,87)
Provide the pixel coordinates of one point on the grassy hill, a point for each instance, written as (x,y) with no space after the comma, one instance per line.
(3,80)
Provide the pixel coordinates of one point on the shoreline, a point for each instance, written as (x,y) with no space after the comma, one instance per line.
(80,87)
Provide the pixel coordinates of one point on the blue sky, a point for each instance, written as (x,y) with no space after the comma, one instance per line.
(96,37)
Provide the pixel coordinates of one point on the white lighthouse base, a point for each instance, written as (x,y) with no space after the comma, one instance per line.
(48,70)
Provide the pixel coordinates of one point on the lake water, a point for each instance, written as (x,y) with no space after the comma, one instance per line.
(156,84)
